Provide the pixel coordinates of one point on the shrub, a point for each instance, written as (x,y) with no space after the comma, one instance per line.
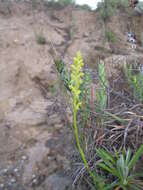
(106,11)
(110,36)
(135,79)
(122,4)
(60,3)
(66,2)
(108,7)
(64,74)
(40,39)
(139,7)
(84,7)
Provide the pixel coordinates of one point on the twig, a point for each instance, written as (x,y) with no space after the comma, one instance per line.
(126,132)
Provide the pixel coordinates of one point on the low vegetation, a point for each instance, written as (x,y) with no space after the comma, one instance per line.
(60,3)
(109,8)
(112,165)
(40,38)
(111,36)
(107,119)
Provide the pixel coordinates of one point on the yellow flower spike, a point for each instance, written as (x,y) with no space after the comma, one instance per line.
(76,78)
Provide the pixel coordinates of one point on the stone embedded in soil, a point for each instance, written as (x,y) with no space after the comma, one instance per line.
(56,182)
(24,158)
(5,171)
(13,180)
(16,170)
(38,180)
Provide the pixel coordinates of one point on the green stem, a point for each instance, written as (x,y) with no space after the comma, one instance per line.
(79,146)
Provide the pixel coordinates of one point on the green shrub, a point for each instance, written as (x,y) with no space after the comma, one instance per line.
(106,11)
(110,36)
(64,74)
(135,79)
(84,7)
(109,7)
(60,3)
(66,2)
(139,7)
(40,38)
(122,4)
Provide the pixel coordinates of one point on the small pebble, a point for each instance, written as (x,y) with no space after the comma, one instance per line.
(5,170)
(24,157)
(34,181)
(16,170)
(33,176)
(13,180)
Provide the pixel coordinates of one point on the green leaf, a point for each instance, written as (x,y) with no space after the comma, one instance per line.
(128,156)
(112,185)
(135,157)
(104,167)
(105,155)
(135,175)
(135,187)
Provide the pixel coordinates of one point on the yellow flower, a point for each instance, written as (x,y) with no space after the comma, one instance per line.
(76,80)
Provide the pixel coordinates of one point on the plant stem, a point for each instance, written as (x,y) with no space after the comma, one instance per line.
(79,146)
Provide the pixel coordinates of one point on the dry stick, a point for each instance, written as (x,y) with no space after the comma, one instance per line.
(135,106)
(115,140)
(80,173)
(126,132)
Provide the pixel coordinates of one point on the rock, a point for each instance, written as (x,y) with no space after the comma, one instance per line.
(55,182)
(13,180)
(5,171)
(16,170)
(24,157)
